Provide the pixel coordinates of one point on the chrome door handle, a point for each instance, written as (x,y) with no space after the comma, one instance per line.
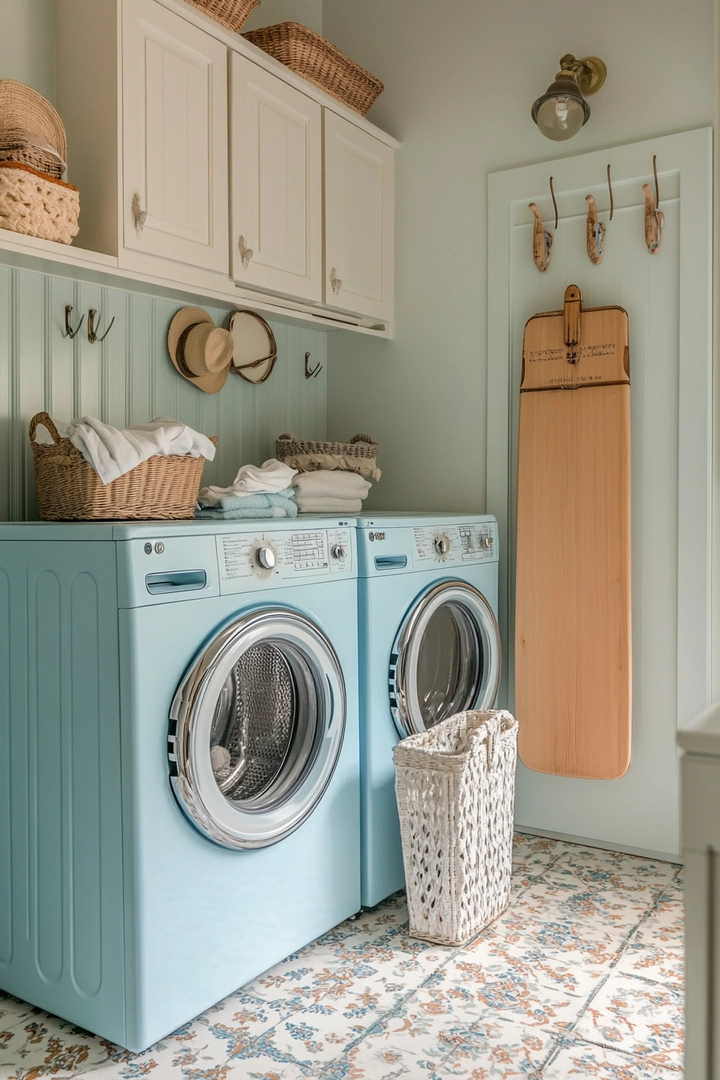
(139,215)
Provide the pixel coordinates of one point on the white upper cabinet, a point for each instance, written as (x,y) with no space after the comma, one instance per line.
(276,184)
(359,187)
(174,138)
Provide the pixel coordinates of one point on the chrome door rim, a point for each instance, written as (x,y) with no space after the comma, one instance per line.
(192,715)
(404,703)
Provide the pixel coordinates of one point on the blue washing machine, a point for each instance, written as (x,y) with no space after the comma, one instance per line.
(429,647)
(179,766)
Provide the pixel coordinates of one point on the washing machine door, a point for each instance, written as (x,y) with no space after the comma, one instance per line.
(445,658)
(256,728)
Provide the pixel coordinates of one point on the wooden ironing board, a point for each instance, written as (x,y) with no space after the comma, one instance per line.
(573,616)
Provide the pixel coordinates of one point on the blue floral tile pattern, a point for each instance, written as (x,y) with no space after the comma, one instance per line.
(582,976)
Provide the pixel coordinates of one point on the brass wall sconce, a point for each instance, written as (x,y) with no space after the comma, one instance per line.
(562,110)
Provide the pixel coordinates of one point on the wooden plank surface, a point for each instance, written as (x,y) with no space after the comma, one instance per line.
(573,601)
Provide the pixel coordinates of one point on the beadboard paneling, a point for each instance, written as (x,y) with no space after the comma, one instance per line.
(129,379)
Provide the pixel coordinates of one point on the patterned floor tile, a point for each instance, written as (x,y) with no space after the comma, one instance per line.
(644,1019)
(581,976)
(585,1059)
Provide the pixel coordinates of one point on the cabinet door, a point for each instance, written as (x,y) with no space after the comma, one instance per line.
(276,184)
(358,220)
(174,85)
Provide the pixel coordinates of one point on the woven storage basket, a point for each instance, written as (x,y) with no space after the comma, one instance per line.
(231,13)
(69,489)
(309,55)
(455,787)
(36,204)
(359,455)
(30,129)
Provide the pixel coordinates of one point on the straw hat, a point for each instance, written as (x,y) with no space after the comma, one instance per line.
(201,351)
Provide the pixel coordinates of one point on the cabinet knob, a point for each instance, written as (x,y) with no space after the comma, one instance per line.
(139,215)
(246,253)
(335,282)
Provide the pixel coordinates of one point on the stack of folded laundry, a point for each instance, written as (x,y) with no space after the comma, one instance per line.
(330,491)
(257,492)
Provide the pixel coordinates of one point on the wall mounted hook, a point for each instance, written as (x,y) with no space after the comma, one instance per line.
(654,218)
(595,233)
(311,373)
(542,241)
(92,330)
(69,332)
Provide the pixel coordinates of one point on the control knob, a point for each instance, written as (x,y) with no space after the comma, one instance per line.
(442,545)
(338,551)
(486,541)
(266,558)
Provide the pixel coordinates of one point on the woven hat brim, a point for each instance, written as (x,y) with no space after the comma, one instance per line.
(190,316)
(255,371)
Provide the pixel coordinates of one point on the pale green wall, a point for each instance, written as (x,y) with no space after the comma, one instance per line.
(27,43)
(459,81)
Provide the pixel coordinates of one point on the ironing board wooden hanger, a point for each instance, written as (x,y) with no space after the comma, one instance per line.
(573,615)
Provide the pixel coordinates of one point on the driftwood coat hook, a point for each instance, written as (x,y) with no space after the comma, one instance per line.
(92,330)
(542,241)
(311,373)
(69,332)
(595,233)
(654,218)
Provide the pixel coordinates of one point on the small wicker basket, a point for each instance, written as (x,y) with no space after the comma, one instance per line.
(36,204)
(69,489)
(455,787)
(359,455)
(318,61)
(231,13)
(31,131)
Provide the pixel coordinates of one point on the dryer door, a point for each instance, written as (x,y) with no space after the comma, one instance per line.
(256,729)
(445,659)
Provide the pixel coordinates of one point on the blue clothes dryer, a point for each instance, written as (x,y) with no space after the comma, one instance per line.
(429,647)
(179,774)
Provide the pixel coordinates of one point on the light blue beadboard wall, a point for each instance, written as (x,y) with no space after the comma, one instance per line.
(129,379)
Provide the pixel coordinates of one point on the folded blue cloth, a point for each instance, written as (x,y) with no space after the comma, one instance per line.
(247,507)
(252,502)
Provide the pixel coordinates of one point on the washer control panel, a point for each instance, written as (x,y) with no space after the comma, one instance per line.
(288,555)
(474,542)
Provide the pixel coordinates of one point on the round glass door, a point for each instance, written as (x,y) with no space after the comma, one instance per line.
(445,658)
(256,729)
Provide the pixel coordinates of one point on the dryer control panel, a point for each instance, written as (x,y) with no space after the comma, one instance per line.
(283,556)
(455,544)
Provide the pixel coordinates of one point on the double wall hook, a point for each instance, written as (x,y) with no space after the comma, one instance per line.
(654,218)
(311,373)
(69,332)
(92,334)
(542,239)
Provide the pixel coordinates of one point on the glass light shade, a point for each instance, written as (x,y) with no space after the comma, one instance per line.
(562,110)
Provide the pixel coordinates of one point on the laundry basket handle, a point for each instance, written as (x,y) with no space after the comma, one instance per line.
(42,419)
(363,438)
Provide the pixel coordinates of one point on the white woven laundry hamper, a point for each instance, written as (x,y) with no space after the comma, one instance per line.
(455,788)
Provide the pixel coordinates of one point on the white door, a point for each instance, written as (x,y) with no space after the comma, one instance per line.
(359,186)
(667,297)
(276,184)
(174,138)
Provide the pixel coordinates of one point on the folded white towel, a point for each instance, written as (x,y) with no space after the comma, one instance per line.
(267,479)
(321,504)
(335,483)
(113,451)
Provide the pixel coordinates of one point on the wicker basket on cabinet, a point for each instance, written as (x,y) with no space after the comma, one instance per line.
(231,13)
(318,61)
(69,489)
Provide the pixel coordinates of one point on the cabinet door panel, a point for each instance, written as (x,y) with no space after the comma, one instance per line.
(276,184)
(174,137)
(358,220)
